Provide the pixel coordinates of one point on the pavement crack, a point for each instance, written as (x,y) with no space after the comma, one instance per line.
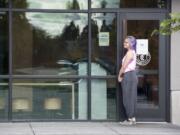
(113,130)
(32,129)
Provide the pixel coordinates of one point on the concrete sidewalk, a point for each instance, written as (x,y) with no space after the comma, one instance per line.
(87,128)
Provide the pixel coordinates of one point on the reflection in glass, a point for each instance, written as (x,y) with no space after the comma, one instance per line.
(49,4)
(148,86)
(103,43)
(105,3)
(50,43)
(50,99)
(3,99)
(3,3)
(148,96)
(143,3)
(3,43)
(103,99)
(129,3)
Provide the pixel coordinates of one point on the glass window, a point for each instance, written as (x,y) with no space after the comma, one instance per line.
(3,3)
(50,43)
(103,99)
(3,99)
(105,3)
(147,64)
(50,99)
(103,44)
(4,49)
(129,3)
(48,4)
(143,3)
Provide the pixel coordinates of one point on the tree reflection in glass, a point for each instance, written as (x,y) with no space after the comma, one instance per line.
(49,43)
(48,4)
(105,4)
(4,43)
(103,44)
(3,3)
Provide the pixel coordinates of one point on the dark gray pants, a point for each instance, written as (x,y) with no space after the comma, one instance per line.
(129,91)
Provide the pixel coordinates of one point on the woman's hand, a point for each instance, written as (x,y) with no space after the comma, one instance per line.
(120,79)
(120,76)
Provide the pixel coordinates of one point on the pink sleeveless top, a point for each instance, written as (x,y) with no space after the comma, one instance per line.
(132,64)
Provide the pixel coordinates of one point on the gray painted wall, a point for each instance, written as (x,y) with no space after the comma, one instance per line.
(175,70)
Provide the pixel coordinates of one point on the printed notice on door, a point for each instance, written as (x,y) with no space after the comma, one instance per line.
(142,46)
(103,38)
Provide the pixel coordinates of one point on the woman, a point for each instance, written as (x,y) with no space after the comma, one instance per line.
(127,77)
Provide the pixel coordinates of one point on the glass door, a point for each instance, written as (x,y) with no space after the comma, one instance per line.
(151,66)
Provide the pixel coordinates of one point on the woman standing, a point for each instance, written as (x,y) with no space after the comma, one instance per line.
(127,77)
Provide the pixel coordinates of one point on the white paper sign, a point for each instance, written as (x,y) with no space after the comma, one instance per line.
(142,46)
(103,38)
